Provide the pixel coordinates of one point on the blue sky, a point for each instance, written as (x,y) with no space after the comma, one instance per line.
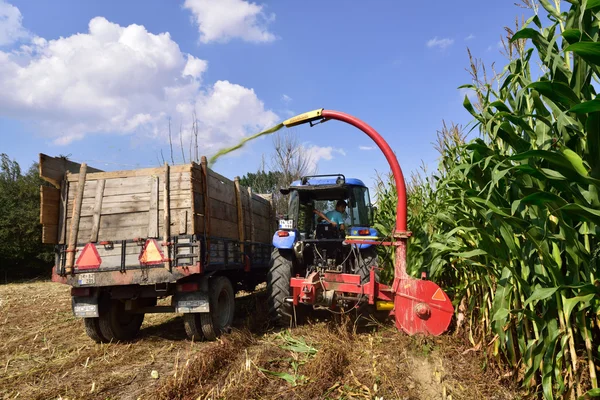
(99,80)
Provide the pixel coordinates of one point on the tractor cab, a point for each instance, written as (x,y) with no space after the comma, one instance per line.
(312,199)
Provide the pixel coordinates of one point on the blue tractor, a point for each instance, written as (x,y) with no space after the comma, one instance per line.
(312,241)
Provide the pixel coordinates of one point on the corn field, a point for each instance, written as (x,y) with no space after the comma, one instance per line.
(509,224)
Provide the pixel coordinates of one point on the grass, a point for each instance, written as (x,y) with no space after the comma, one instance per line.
(45,354)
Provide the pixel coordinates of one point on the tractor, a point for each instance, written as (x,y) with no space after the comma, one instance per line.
(308,243)
(325,251)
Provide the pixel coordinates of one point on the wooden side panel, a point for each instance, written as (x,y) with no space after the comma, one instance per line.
(133,206)
(223,207)
(53,169)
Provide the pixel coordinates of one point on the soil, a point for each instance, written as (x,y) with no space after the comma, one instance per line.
(45,354)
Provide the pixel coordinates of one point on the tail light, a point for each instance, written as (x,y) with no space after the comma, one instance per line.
(188,287)
(283,233)
(80,291)
(364,232)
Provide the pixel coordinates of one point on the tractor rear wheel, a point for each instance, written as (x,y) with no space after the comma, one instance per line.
(281,270)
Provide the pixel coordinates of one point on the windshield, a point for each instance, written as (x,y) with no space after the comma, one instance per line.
(304,208)
(359,208)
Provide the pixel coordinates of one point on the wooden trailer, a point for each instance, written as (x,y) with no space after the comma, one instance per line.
(125,238)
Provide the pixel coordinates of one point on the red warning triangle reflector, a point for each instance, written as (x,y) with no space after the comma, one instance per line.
(151,254)
(89,258)
(438,295)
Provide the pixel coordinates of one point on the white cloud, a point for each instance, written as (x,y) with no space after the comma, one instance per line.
(116,79)
(317,153)
(11,28)
(223,20)
(441,43)
(470,37)
(285,98)
(366,148)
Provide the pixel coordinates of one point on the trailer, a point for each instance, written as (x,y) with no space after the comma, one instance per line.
(125,239)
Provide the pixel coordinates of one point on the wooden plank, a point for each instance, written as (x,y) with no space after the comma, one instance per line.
(75,221)
(135,172)
(167,222)
(139,192)
(112,205)
(240,212)
(49,205)
(207,216)
(224,211)
(97,210)
(62,220)
(183,221)
(49,234)
(221,189)
(223,229)
(153,208)
(251,213)
(53,169)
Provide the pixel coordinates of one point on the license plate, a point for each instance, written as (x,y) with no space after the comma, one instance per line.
(86,279)
(191,303)
(85,307)
(286,224)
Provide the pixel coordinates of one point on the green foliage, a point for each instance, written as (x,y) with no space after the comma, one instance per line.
(509,223)
(262,182)
(21,253)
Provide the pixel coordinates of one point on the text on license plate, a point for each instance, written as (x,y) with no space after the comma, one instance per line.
(86,279)
(286,224)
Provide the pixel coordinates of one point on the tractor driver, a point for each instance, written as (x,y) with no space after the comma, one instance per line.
(335,217)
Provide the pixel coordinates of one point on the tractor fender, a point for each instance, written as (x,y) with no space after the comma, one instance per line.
(354,232)
(285,242)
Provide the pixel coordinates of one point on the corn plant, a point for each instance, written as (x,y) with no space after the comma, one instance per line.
(510,222)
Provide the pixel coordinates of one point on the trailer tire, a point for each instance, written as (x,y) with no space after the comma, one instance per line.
(117,324)
(92,329)
(278,287)
(193,326)
(222,307)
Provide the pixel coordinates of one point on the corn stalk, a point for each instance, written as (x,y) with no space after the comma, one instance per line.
(510,222)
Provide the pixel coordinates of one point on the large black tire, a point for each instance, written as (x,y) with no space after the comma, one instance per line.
(281,269)
(368,260)
(92,329)
(117,324)
(193,326)
(222,307)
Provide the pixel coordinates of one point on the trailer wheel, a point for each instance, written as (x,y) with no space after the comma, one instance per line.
(193,326)
(278,287)
(92,329)
(117,324)
(222,306)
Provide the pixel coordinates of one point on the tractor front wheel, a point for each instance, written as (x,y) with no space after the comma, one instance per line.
(280,272)
(367,261)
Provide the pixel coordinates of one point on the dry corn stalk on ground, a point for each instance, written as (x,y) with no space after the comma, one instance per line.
(45,354)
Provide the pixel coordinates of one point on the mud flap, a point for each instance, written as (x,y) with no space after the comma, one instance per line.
(85,307)
(192,302)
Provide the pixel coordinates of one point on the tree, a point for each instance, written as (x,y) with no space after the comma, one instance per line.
(290,161)
(22,255)
(264,182)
